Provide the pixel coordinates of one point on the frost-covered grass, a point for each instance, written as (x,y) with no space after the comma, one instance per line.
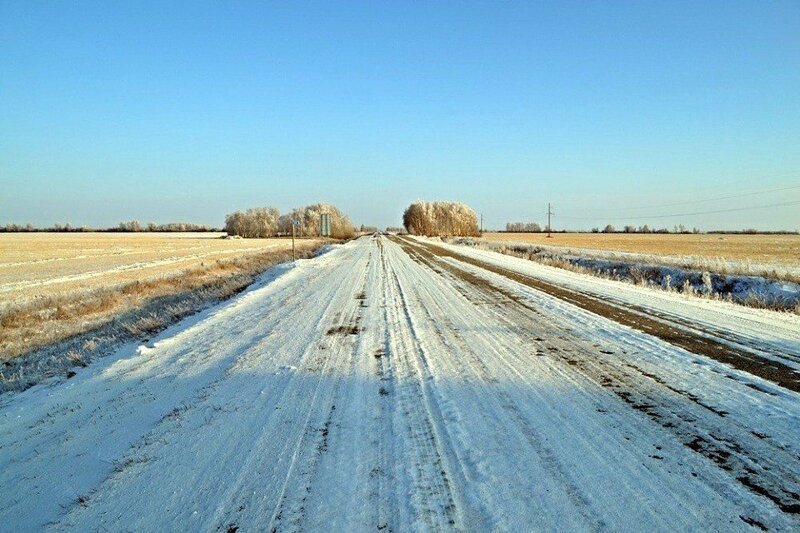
(704,277)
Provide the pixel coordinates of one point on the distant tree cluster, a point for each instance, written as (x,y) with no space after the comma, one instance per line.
(396,230)
(29,228)
(440,219)
(523,227)
(172,227)
(369,229)
(751,231)
(257,222)
(129,226)
(268,222)
(680,228)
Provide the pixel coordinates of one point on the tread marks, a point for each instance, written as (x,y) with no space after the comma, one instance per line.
(289,511)
(415,414)
(581,502)
(382,475)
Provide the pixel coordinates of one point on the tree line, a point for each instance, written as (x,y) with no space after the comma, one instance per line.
(436,219)
(523,227)
(262,222)
(533,227)
(680,228)
(131,226)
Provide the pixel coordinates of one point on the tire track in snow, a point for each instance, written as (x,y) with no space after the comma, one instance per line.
(432,467)
(448,332)
(383,475)
(235,506)
(489,356)
(313,442)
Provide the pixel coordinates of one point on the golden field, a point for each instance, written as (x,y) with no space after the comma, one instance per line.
(781,250)
(48,264)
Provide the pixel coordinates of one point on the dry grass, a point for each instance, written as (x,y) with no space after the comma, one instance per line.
(118,274)
(783,250)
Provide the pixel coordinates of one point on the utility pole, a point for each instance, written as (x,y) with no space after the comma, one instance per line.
(294,223)
(549,214)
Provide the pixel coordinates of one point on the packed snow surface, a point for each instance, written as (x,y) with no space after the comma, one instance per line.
(373,389)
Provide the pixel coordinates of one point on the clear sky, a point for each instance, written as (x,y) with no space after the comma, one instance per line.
(186,111)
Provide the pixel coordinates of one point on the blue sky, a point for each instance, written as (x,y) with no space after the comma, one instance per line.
(186,111)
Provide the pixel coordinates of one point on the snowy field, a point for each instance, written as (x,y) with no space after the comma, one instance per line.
(394,385)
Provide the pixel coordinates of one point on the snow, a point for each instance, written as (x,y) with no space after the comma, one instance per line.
(364,390)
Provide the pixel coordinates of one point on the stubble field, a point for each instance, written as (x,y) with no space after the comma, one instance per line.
(36,264)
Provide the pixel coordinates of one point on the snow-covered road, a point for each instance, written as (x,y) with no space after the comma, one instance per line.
(382,387)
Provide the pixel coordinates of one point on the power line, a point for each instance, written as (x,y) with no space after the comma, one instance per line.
(728,197)
(742,195)
(782,204)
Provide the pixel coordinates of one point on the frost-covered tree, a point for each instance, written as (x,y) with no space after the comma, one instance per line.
(523,227)
(256,222)
(309,217)
(132,225)
(440,219)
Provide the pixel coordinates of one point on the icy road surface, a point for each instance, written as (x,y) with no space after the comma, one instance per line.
(384,387)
